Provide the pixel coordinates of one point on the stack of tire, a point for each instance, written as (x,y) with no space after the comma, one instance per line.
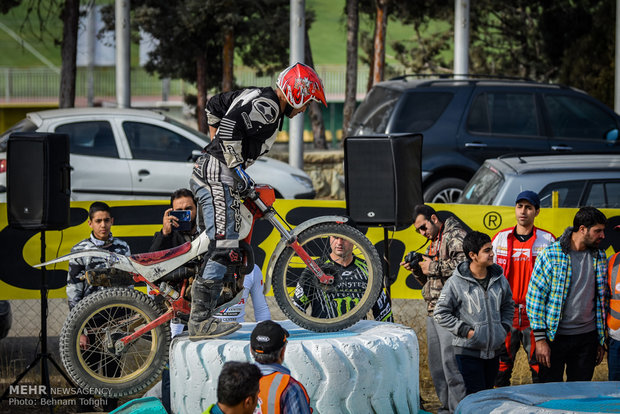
(369,367)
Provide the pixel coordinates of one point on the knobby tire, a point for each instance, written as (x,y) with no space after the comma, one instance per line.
(106,316)
(290,274)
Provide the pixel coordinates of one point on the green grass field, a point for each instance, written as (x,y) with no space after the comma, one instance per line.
(327,36)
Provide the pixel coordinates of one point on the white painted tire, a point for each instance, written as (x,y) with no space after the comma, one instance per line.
(369,367)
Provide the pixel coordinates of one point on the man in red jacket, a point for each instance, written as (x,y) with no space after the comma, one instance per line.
(515,250)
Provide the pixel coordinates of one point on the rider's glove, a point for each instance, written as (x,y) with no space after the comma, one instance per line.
(243,181)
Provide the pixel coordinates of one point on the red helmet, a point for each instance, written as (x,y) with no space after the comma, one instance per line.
(300,84)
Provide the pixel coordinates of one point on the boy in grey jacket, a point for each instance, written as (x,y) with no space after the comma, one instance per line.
(476,306)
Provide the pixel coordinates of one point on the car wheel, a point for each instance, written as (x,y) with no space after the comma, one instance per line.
(444,190)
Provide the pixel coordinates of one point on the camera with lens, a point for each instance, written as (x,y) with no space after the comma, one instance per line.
(414,259)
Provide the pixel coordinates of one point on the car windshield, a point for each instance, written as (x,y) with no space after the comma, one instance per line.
(483,186)
(373,114)
(25,125)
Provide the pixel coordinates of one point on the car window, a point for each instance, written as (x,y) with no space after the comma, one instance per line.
(574,117)
(419,111)
(503,113)
(374,112)
(90,138)
(483,187)
(151,142)
(569,193)
(604,195)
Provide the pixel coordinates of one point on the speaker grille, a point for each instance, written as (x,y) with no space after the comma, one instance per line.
(383,179)
(38,181)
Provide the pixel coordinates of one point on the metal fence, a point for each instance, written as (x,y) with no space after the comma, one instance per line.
(42,84)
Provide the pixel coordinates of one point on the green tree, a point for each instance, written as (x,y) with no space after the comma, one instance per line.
(192,36)
(425,51)
(68,12)
(566,42)
(544,40)
(352,13)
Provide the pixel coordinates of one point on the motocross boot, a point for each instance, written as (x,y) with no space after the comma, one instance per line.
(202,325)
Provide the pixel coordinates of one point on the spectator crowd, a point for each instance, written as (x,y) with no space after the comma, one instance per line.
(485,298)
(558,298)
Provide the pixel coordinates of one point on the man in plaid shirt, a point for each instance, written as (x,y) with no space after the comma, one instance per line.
(567,298)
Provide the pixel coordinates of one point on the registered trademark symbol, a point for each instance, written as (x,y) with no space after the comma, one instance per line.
(492,220)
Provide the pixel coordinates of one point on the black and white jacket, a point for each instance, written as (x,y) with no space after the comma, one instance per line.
(247,120)
(77,287)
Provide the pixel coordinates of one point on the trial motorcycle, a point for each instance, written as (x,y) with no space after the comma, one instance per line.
(118,338)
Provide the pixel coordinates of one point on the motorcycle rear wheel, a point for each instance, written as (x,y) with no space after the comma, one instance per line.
(320,307)
(105,317)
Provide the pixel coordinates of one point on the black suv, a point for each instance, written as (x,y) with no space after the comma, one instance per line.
(467,121)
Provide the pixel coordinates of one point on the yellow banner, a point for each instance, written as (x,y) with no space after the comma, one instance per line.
(137,221)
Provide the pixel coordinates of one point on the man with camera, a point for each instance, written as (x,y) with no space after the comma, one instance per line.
(432,271)
(178,226)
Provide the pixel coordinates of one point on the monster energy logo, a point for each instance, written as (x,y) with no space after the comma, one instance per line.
(347,302)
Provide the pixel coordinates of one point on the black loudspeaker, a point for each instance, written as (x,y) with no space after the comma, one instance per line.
(383,179)
(38,181)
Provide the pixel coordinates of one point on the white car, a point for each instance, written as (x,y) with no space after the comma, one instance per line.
(136,154)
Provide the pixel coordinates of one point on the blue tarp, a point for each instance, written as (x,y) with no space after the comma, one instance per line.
(555,397)
(147,405)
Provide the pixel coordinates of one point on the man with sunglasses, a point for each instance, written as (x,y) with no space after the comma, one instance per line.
(442,256)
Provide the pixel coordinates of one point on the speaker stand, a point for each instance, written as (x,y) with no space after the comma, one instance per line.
(44,356)
(386,259)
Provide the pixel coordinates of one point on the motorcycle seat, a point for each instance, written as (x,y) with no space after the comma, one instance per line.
(146,259)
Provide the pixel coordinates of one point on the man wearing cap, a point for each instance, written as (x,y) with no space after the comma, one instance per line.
(279,391)
(515,250)
(567,300)
(613,317)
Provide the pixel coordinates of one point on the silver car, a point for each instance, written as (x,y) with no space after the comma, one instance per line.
(579,179)
(136,154)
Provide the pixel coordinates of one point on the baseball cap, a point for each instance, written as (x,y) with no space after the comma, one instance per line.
(530,196)
(268,337)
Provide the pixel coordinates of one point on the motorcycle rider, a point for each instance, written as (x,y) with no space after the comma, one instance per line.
(243,125)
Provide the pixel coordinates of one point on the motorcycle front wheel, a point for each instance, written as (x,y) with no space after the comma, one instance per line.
(342,252)
(101,363)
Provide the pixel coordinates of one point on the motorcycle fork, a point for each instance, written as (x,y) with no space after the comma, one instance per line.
(269,214)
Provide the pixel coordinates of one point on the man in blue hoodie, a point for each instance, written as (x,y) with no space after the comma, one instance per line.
(476,305)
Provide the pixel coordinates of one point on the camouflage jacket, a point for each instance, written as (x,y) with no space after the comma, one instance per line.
(77,287)
(449,241)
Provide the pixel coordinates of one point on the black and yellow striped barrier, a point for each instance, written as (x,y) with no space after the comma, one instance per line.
(137,221)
